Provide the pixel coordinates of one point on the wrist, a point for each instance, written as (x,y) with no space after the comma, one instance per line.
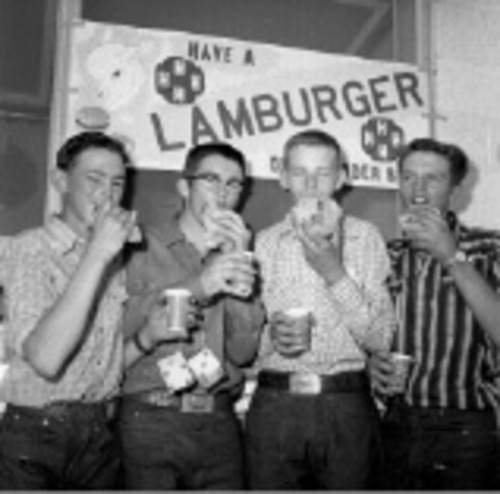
(146,348)
(458,257)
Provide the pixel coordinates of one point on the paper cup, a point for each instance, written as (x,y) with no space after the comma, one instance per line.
(244,290)
(402,364)
(178,308)
(301,316)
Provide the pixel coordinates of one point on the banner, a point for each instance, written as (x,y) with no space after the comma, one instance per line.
(163,92)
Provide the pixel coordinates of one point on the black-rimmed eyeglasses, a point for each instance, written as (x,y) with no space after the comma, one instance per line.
(213,180)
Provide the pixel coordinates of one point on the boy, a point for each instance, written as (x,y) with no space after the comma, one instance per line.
(178,426)
(312,423)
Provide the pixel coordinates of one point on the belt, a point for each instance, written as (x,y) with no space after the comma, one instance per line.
(313,384)
(185,403)
(67,410)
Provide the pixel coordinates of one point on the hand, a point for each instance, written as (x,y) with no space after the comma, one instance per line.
(111,229)
(228,273)
(428,230)
(382,372)
(232,230)
(291,336)
(322,254)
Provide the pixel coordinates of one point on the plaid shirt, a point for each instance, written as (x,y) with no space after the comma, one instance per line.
(352,316)
(456,363)
(40,265)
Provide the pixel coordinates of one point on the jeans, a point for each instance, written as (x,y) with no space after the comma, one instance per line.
(166,449)
(439,449)
(325,441)
(67,446)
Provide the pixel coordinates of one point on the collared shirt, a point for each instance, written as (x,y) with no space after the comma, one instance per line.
(41,263)
(231,327)
(352,316)
(456,363)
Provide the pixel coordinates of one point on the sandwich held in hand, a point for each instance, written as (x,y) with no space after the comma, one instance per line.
(318,216)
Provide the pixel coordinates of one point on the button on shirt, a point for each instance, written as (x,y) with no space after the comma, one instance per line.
(352,316)
(40,265)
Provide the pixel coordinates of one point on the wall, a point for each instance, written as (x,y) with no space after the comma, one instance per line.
(312,24)
(466,52)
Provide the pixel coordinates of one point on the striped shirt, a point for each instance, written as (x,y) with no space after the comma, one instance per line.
(352,316)
(456,364)
(40,266)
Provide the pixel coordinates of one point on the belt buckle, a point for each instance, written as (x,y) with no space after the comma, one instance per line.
(305,384)
(161,399)
(197,403)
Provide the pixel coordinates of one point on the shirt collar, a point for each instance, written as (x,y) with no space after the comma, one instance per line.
(169,231)
(285,228)
(61,237)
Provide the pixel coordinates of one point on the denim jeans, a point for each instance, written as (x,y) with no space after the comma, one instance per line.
(325,441)
(439,450)
(166,449)
(74,448)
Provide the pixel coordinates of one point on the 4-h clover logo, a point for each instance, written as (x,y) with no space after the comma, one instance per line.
(381,139)
(179,81)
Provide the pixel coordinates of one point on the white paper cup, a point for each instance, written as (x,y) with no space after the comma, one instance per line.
(301,316)
(177,308)
(402,364)
(244,290)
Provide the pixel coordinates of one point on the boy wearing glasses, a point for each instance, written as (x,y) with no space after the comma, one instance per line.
(178,426)
(312,423)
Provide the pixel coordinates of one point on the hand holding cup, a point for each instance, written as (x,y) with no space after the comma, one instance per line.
(291,331)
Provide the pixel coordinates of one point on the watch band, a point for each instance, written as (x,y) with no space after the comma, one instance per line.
(140,346)
(458,257)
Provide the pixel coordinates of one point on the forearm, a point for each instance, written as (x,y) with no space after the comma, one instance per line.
(368,314)
(480,297)
(352,303)
(49,347)
(244,326)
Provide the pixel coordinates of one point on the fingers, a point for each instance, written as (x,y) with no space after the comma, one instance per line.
(231,226)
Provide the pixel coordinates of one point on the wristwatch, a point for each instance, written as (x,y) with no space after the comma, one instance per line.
(458,257)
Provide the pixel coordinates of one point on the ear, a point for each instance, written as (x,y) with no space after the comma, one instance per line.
(182,187)
(342,179)
(284,179)
(59,180)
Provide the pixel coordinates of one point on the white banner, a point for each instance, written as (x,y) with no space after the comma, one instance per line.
(163,92)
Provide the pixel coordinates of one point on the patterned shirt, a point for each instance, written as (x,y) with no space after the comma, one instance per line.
(456,364)
(40,266)
(231,327)
(352,316)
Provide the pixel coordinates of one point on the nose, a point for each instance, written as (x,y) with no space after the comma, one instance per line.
(311,181)
(419,192)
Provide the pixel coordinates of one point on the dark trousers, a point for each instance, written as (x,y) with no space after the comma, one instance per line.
(324,441)
(62,446)
(166,449)
(439,449)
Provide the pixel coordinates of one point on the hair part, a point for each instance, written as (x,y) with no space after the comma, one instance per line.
(456,157)
(198,153)
(79,143)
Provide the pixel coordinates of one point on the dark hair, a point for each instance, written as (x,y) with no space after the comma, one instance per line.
(77,144)
(459,162)
(313,138)
(198,153)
